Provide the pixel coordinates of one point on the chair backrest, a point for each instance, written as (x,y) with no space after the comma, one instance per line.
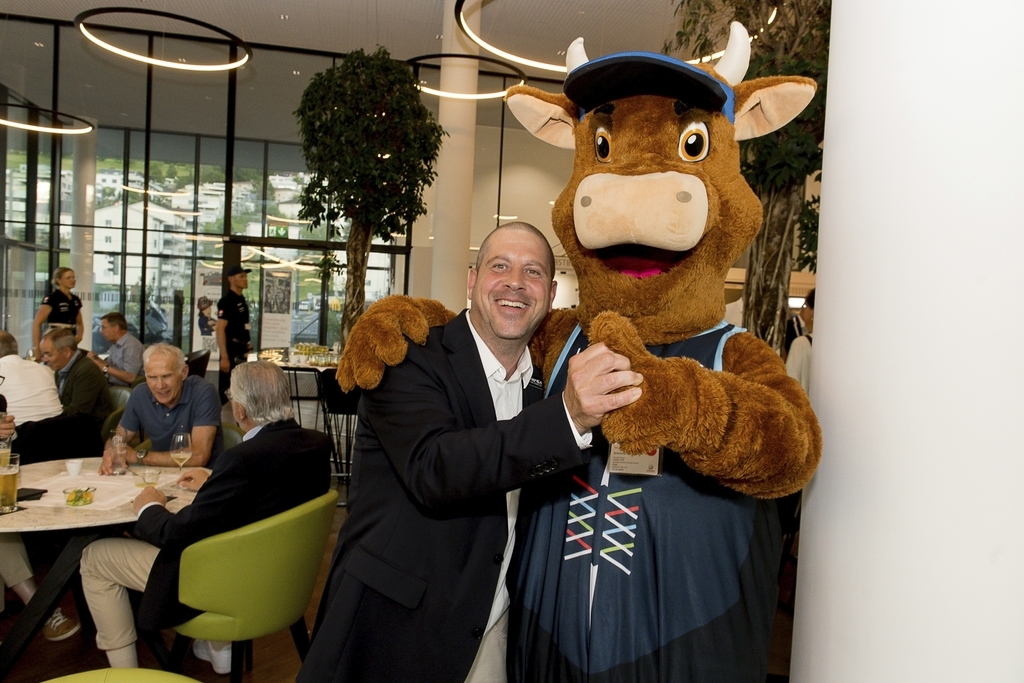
(119,395)
(336,401)
(110,424)
(232,435)
(197,362)
(258,579)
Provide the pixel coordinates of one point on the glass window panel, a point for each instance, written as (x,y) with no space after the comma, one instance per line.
(26,61)
(106,272)
(211,185)
(286,176)
(247,204)
(169,282)
(172,199)
(15,181)
(190,101)
(269,90)
(97,84)
(133,290)
(24,286)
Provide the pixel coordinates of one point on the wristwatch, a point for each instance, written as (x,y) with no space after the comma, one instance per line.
(140,457)
(106,369)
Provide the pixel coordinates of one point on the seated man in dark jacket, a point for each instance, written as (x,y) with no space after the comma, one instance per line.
(278,466)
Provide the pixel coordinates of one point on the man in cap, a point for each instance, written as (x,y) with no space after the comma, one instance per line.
(233,326)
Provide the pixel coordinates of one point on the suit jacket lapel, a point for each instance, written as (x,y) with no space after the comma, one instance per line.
(465,363)
(534,391)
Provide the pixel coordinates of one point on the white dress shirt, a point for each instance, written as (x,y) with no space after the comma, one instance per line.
(507,395)
(30,390)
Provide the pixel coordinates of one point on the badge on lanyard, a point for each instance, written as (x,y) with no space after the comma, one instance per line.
(647,464)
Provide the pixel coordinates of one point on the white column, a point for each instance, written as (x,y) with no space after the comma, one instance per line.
(912,546)
(83,213)
(453,201)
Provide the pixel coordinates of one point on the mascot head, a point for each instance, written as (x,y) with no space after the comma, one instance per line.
(656,210)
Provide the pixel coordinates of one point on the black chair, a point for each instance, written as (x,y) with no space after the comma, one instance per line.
(341,409)
(197,362)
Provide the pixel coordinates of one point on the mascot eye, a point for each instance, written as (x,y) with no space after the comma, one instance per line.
(602,144)
(694,143)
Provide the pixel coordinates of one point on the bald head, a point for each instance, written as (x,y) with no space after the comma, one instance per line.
(522,227)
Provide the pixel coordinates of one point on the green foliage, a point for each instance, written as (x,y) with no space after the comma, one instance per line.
(794,43)
(807,238)
(369,145)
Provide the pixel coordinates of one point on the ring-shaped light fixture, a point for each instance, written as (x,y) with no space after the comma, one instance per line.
(183,66)
(461,21)
(46,129)
(519,73)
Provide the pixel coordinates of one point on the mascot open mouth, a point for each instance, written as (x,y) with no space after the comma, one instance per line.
(639,261)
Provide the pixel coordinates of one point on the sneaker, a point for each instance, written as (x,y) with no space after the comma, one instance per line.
(59,627)
(219,659)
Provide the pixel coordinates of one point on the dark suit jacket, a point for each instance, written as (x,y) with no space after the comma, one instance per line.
(86,391)
(417,562)
(281,467)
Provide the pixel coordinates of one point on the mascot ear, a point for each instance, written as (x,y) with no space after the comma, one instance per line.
(767,104)
(549,116)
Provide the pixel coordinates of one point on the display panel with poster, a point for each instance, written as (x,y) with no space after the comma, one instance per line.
(276,328)
(208,291)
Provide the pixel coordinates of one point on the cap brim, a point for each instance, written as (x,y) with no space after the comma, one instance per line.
(628,74)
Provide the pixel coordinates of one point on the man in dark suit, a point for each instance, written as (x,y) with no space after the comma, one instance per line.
(278,466)
(417,590)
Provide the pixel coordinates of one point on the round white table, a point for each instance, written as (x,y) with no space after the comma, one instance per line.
(88,523)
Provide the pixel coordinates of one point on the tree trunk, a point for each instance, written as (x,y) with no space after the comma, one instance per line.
(766,292)
(358,253)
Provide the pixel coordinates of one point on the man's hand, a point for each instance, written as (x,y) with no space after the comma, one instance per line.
(107,465)
(7,427)
(225,363)
(148,495)
(599,381)
(100,363)
(193,480)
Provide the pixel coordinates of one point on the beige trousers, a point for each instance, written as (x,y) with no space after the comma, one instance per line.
(489,664)
(110,567)
(14,565)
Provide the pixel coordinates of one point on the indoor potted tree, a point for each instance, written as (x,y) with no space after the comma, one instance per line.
(370,146)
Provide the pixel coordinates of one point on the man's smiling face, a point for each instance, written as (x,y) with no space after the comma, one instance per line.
(512,290)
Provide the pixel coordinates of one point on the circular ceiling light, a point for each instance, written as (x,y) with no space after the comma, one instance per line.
(519,73)
(461,21)
(54,115)
(184,66)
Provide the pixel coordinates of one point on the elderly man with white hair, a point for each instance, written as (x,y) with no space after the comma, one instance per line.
(170,402)
(277,466)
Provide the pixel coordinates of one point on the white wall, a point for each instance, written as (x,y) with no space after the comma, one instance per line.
(912,541)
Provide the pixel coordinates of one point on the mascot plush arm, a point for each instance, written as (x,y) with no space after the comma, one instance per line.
(750,427)
(378,337)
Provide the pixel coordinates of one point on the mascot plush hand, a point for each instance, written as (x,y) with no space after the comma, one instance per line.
(657,563)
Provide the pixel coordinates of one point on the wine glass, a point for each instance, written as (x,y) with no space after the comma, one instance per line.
(181,450)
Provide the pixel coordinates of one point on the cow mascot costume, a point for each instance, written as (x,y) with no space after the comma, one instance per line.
(658,561)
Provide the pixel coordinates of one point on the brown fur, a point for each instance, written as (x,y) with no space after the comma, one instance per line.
(750,426)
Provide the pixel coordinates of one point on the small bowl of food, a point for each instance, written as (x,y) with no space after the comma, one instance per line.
(77,497)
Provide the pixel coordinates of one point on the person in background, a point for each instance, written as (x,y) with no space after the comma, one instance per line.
(82,387)
(60,308)
(168,403)
(232,327)
(29,387)
(124,363)
(798,362)
(278,466)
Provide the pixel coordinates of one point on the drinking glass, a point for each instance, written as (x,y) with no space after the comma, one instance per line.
(9,482)
(181,450)
(118,462)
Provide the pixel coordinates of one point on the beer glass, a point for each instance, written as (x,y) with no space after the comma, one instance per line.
(9,481)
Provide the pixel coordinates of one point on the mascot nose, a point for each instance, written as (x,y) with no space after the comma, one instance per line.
(684,197)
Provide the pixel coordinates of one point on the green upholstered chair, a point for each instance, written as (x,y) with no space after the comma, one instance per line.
(110,424)
(232,435)
(119,395)
(254,581)
(123,676)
